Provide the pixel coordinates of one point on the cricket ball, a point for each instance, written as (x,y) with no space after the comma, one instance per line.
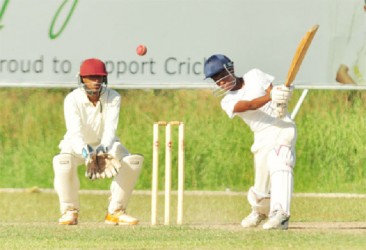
(141,50)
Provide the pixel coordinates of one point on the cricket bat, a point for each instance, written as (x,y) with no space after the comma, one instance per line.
(300,54)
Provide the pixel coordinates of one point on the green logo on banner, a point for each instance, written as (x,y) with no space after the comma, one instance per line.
(54,34)
(2,11)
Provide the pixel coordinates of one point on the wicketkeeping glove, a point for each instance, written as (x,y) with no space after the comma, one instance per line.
(90,157)
(108,165)
(100,164)
(101,148)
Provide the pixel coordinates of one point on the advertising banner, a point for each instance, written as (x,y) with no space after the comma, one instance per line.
(45,41)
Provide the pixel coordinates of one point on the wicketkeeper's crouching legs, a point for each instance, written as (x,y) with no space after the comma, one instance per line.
(66,183)
(123,185)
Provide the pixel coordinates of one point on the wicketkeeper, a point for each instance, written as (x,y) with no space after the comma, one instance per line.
(91,114)
(263,107)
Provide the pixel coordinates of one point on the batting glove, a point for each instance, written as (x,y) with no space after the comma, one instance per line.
(280,110)
(281,94)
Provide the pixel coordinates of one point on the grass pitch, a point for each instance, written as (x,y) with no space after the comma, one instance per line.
(29,221)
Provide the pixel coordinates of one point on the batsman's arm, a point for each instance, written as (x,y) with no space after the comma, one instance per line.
(242,106)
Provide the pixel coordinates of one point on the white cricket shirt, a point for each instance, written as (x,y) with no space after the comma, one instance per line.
(89,124)
(256,83)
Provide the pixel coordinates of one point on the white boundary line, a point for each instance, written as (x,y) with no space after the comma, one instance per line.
(194,193)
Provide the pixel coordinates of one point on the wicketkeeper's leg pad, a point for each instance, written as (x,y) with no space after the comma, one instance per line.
(124,183)
(281,162)
(66,181)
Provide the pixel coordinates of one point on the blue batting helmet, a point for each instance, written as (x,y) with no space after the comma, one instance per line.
(215,64)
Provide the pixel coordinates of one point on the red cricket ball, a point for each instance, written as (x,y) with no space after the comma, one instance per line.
(141,50)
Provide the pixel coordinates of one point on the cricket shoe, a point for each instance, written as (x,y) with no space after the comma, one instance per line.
(70,217)
(253,219)
(120,218)
(278,220)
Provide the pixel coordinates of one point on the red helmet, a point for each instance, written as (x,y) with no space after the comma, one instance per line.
(93,67)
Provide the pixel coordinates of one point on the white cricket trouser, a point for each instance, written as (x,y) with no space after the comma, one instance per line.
(67,185)
(273,171)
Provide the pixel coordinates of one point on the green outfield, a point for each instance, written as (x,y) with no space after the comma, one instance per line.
(211,221)
(331,148)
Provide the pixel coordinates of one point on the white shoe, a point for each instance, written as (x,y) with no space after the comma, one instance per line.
(70,217)
(278,220)
(253,219)
(120,218)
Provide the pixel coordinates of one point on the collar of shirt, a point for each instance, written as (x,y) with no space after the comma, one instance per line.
(84,97)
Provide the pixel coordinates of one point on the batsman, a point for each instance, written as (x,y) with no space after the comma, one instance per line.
(91,114)
(263,107)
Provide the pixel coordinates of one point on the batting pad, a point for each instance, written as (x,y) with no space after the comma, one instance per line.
(259,202)
(282,185)
(280,163)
